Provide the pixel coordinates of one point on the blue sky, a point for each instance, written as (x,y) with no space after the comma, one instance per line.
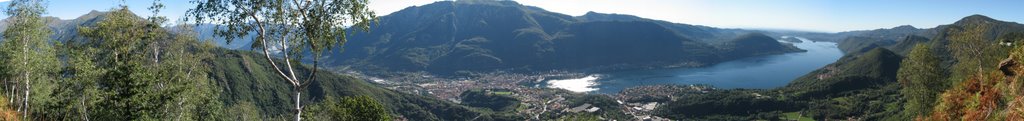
(812,15)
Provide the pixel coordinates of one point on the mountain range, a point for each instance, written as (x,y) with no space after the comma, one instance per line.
(452,36)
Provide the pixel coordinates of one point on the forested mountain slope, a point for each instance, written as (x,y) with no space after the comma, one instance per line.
(246,80)
(451,36)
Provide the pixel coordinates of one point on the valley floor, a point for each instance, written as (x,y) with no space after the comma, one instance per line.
(536,100)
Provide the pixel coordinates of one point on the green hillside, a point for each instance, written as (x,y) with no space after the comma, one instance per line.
(245,78)
(754,44)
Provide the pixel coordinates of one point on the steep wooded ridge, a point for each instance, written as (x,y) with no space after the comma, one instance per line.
(861,41)
(447,36)
(869,83)
(246,80)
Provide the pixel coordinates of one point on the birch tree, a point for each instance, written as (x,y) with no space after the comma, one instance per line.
(921,77)
(28,55)
(150,72)
(287,29)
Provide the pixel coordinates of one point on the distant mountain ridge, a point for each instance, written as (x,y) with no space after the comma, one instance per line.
(894,38)
(697,32)
(447,36)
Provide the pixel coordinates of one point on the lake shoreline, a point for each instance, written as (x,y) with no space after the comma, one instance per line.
(739,73)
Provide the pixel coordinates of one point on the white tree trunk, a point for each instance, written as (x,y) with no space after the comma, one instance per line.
(24,51)
(10,90)
(28,88)
(156,53)
(85,109)
(298,105)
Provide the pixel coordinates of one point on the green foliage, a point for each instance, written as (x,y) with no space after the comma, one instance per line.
(132,69)
(796,116)
(973,46)
(852,72)
(876,103)
(726,105)
(28,61)
(579,117)
(312,25)
(489,99)
(350,108)
(244,111)
(296,27)
(921,78)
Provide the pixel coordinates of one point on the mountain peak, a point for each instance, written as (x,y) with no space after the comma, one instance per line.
(593,13)
(880,52)
(595,16)
(92,14)
(905,27)
(976,18)
(489,2)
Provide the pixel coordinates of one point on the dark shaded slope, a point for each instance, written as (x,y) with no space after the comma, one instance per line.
(859,45)
(755,44)
(852,72)
(446,37)
(696,32)
(906,44)
(488,34)
(605,43)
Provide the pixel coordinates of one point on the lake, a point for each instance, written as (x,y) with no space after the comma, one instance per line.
(754,72)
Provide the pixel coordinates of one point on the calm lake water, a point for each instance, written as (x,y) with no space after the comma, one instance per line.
(753,72)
